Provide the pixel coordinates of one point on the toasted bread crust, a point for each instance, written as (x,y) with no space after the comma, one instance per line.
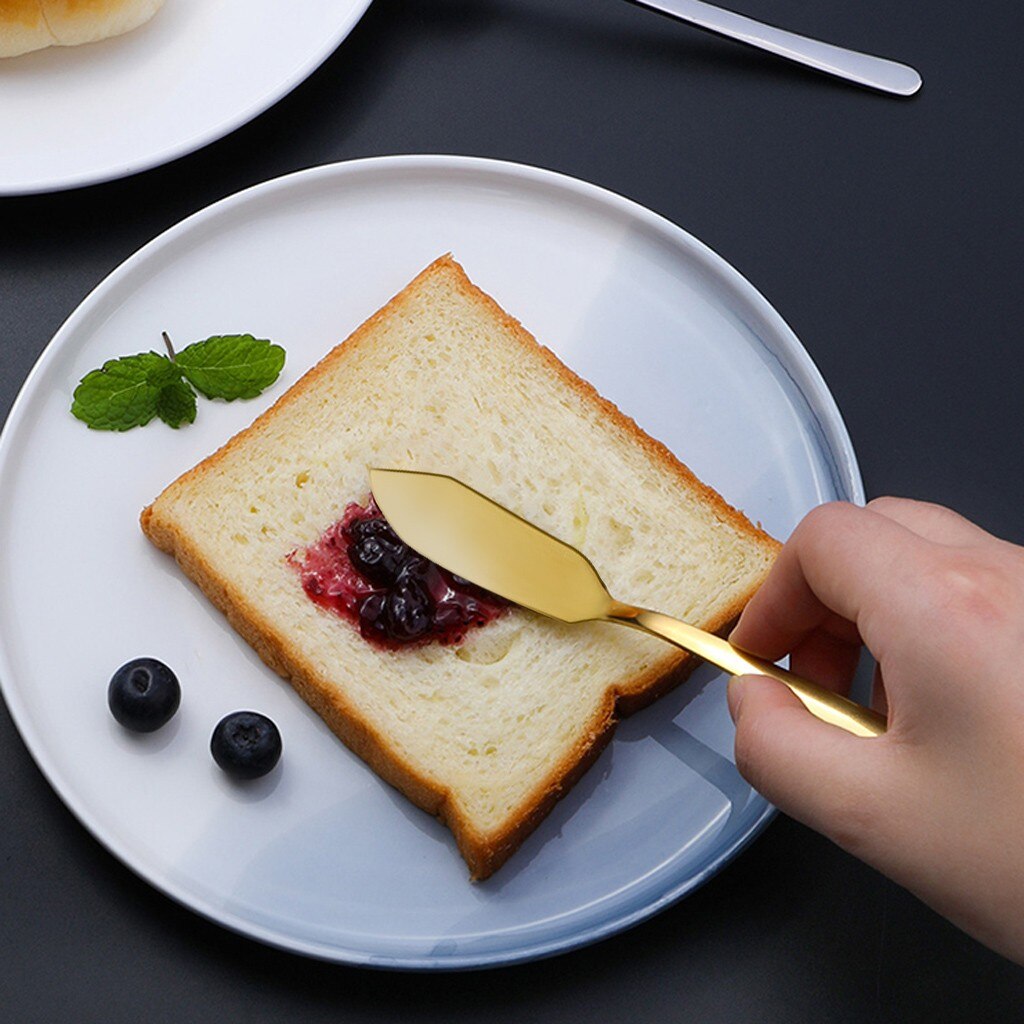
(483,853)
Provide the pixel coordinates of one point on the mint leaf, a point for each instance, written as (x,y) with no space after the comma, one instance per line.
(123,393)
(176,404)
(231,366)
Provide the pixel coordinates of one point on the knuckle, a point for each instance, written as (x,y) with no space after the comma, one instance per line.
(889,503)
(971,592)
(823,520)
(914,511)
(893,503)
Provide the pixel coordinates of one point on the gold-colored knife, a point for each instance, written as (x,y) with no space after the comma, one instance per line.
(474,537)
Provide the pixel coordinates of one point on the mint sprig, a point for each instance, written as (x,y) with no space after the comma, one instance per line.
(130,391)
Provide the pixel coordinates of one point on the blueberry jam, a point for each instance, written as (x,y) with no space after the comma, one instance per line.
(362,571)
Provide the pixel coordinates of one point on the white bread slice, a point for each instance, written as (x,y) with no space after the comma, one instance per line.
(27,25)
(488,734)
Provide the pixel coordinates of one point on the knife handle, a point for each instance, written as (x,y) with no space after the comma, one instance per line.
(874,72)
(821,702)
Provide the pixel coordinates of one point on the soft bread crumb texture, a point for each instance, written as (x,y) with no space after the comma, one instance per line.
(487,734)
(27,25)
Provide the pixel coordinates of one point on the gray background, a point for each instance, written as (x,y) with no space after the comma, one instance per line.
(886,232)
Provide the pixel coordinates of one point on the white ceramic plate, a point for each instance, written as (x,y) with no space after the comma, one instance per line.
(79,115)
(321,857)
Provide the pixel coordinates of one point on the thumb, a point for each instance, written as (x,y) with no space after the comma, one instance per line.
(813,771)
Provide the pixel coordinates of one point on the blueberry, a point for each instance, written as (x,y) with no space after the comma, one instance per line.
(143,694)
(379,527)
(402,615)
(246,744)
(410,610)
(378,558)
(450,617)
(372,619)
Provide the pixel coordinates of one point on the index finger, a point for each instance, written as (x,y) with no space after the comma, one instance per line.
(841,560)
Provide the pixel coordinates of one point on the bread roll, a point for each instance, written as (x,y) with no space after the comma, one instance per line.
(33,24)
(22,27)
(86,21)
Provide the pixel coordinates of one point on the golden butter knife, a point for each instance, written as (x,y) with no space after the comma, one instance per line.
(474,537)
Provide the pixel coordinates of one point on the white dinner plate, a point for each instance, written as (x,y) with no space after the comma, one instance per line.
(79,115)
(321,857)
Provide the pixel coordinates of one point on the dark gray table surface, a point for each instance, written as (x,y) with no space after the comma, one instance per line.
(886,232)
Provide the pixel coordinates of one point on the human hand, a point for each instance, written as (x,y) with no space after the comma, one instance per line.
(936,803)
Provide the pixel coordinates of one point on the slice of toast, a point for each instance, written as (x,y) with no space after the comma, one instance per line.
(487,733)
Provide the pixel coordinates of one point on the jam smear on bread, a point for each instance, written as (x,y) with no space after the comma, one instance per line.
(362,571)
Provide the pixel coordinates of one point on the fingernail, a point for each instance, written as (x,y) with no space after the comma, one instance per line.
(734,695)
